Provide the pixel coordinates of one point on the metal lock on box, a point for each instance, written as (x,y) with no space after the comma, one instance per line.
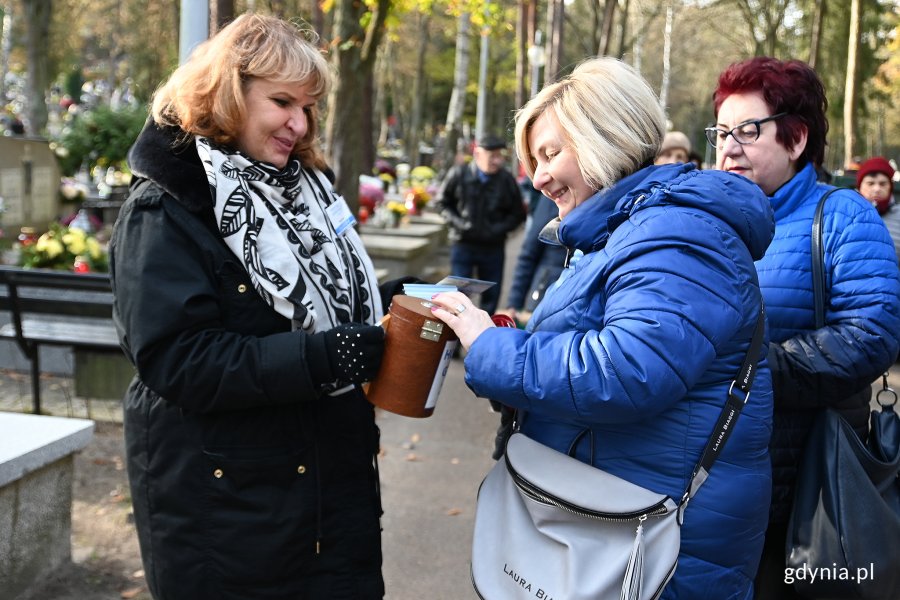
(432,330)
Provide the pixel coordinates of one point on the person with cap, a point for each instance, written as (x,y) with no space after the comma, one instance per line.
(675,148)
(482,204)
(875,182)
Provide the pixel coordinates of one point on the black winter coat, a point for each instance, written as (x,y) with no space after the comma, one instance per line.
(480,213)
(246,481)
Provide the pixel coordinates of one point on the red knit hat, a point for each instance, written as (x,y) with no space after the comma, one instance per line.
(874,165)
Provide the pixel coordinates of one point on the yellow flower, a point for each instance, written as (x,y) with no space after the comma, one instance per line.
(53,248)
(396,207)
(41,244)
(94,249)
(75,241)
(422,173)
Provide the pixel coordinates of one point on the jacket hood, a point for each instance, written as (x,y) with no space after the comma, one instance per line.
(168,158)
(732,198)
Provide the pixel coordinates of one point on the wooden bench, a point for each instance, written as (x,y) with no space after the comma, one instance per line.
(56,308)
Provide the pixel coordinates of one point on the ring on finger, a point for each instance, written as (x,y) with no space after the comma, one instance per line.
(460,308)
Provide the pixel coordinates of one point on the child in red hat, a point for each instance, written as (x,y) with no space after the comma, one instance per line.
(874,181)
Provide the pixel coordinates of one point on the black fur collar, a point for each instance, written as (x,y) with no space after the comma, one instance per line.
(162,155)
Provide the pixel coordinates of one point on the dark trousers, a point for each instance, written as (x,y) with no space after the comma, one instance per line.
(480,262)
(769,583)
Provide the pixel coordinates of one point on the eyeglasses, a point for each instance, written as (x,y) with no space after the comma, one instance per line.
(744,133)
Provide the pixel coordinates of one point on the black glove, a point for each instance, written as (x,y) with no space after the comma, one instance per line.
(350,353)
(389,289)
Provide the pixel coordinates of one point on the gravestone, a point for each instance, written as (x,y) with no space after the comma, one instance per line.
(29,183)
(36,474)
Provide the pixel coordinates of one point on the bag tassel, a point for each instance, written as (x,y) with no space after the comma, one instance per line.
(634,572)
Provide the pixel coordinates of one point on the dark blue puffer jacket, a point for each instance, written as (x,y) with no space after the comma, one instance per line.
(639,340)
(831,367)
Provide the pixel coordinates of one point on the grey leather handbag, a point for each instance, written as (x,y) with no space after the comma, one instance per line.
(548,526)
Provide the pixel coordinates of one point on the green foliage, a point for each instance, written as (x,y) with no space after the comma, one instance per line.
(72,84)
(100,137)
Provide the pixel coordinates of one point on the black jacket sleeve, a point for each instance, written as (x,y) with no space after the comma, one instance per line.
(196,335)
(448,201)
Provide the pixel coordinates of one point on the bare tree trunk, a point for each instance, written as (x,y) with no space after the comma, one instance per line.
(415,119)
(815,35)
(623,29)
(609,12)
(639,41)
(850,83)
(221,12)
(555,21)
(348,127)
(37,26)
(522,43)
(453,127)
(367,135)
(667,53)
(5,47)
(385,87)
(277,7)
(318,17)
(534,37)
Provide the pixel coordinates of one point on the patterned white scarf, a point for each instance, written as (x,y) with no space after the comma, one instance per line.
(274,221)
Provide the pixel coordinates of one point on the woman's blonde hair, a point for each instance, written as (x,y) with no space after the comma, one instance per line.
(606,112)
(205,95)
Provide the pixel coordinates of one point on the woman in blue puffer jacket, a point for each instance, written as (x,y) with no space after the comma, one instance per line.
(771,127)
(647,326)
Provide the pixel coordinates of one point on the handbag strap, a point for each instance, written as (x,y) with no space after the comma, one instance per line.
(817,256)
(738,394)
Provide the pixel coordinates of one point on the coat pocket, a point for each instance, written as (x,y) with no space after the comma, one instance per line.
(258,519)
(248,466)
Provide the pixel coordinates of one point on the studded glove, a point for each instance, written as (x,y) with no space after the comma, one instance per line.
(350,353)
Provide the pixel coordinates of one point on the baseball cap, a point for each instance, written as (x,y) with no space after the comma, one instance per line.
(491,142)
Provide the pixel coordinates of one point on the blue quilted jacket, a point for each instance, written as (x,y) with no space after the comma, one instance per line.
(833,366)
(639,341)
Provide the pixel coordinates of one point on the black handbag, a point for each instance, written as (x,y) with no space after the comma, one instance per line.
(844,532)
(843,537)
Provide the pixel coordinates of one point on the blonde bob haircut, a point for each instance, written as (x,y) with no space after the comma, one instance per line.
(206,95)
(606,112)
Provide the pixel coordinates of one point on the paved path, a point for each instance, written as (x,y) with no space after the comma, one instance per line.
(430,472)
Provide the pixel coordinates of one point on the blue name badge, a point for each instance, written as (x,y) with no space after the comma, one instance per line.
(340,216)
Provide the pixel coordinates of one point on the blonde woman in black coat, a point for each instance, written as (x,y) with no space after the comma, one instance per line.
(249,307)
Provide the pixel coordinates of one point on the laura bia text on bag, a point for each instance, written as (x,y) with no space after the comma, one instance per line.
(834,573)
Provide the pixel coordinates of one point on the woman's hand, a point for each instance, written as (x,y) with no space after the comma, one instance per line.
(464,318)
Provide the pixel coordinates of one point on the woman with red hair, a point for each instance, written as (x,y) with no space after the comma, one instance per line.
(771,128)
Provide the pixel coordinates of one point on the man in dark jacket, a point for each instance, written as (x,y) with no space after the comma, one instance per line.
(482,204)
